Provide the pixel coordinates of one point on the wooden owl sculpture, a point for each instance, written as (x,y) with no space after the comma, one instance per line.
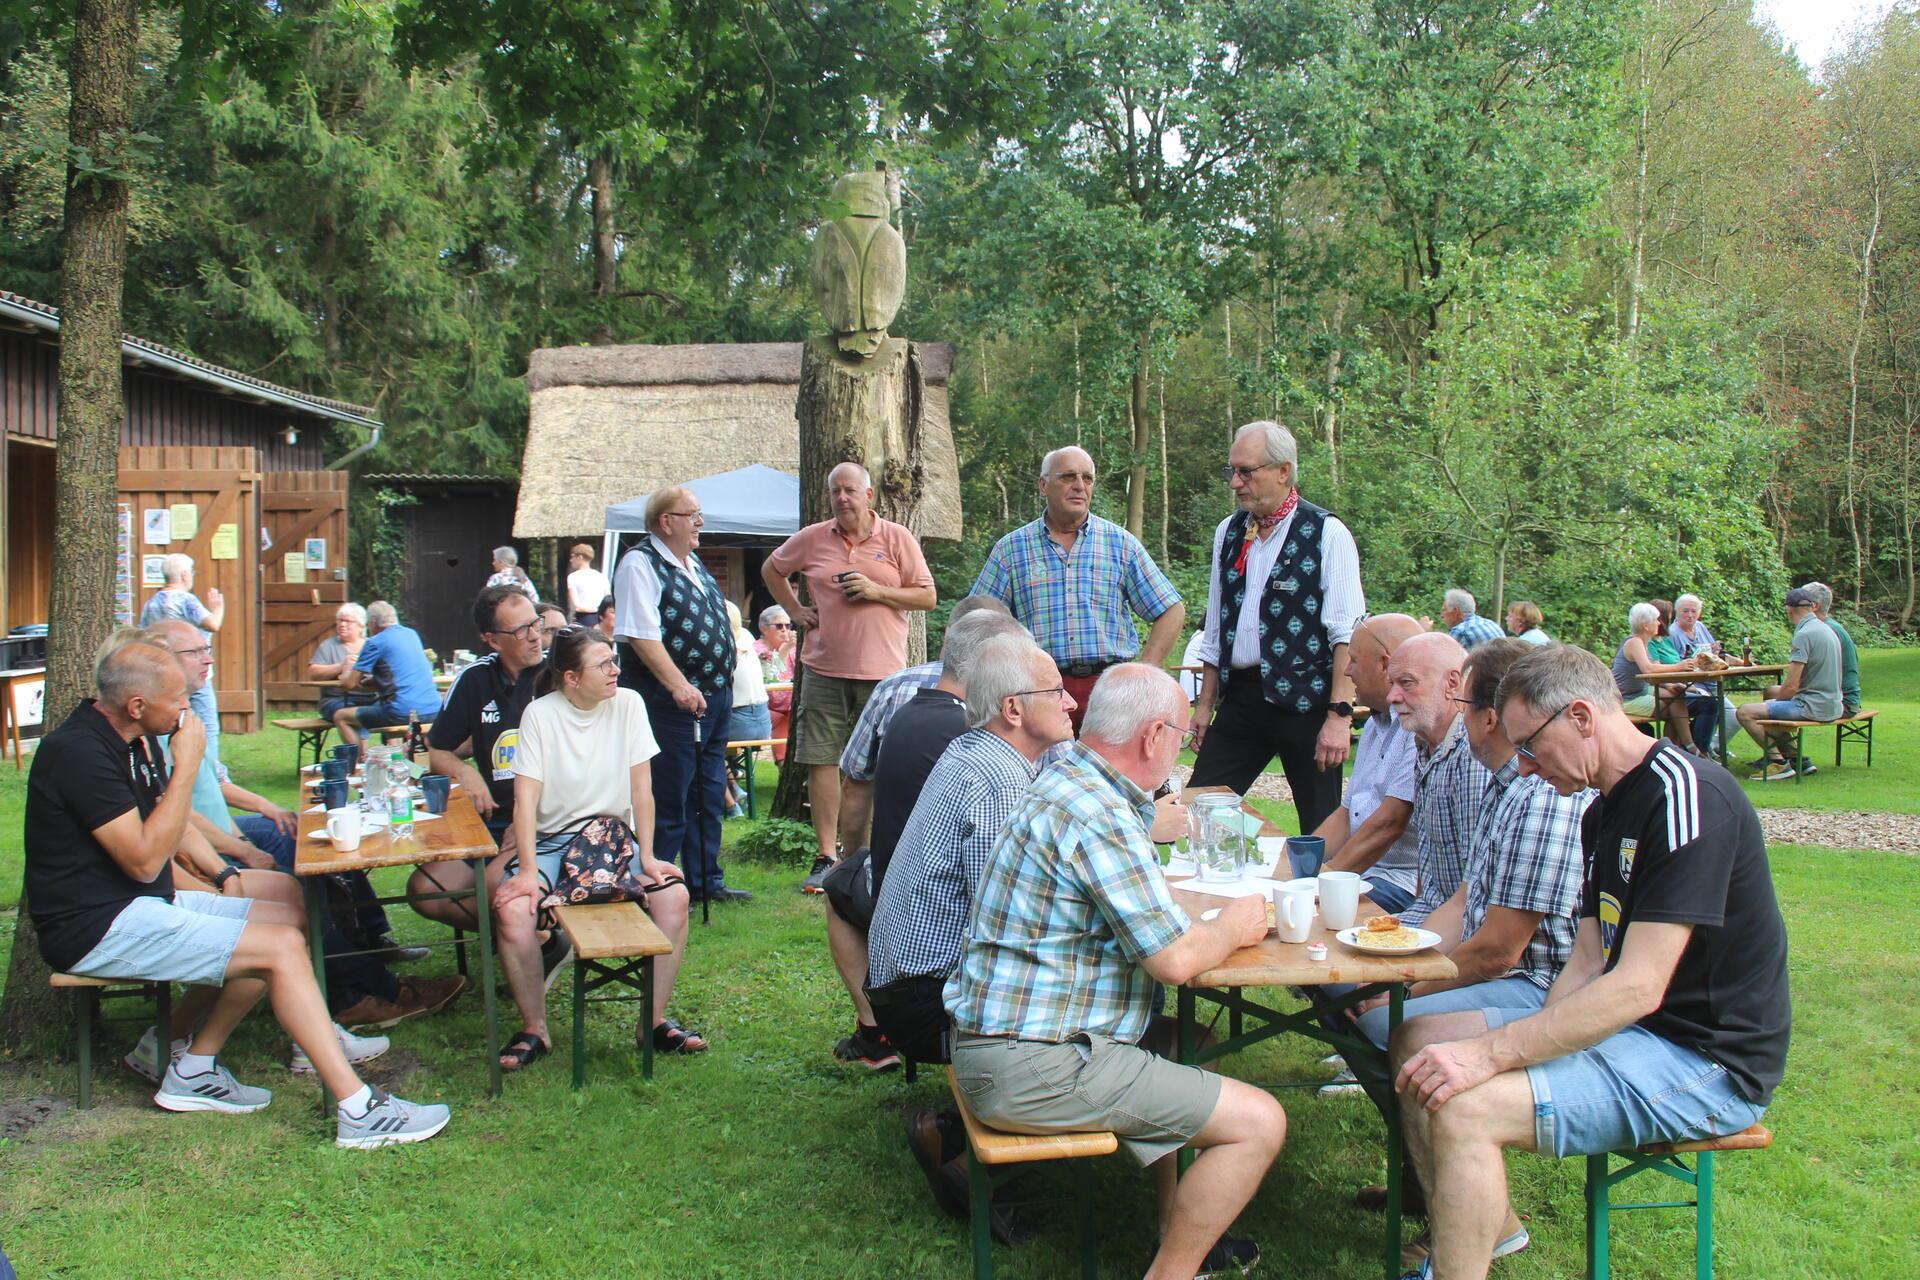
(859,268)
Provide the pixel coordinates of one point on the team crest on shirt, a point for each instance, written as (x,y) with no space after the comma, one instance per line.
(1609,923)
(504,747)
(1628,848)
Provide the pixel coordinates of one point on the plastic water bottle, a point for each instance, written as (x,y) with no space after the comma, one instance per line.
(399,800)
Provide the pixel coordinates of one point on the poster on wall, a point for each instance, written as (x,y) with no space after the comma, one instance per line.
(158,523)
(186,521)
(295,566)
(29,701)
(316,553)
(225,543)
(152,571)
(123,566)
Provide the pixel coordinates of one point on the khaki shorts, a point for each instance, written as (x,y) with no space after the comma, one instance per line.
(829,708)
(1152,1104)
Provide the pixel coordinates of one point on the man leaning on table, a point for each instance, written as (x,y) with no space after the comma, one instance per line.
(1671,1020)
(1072,930)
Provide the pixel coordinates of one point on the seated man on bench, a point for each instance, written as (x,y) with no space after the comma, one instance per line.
(1809,691)
(1669,1022)
(104,822)
(1072,931)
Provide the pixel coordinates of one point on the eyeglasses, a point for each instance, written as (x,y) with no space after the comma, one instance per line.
(526,632)
(1068,477)
(1186,735)
(1030,693)
(784,626)
(686,515)
(611,667)
(1245,473)
(201,652)
(1525,748)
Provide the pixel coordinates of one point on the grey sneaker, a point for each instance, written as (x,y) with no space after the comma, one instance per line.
(357,1048)
(214,1090)
(390,1121)
(816,881)
(144,1059)
(1342,1083)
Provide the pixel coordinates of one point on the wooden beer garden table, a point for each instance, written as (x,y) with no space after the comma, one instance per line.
(458,835)
(1755,677)
(1273,963)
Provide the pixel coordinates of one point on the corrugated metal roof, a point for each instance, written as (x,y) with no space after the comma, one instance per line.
(152,354)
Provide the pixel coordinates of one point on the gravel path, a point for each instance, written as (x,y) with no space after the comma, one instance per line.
(1898,832)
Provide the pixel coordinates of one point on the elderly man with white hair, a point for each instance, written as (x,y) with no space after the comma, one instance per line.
(1283,597)
(1077,581)
(864,574)
(394,662)
(1458,612)
(1054,1000)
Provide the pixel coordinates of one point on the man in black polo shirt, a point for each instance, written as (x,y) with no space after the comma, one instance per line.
(911,743)
(103,824)
(1670,1021)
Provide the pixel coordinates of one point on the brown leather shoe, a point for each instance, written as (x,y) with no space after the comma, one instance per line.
(948,1183)
(416,997)
(429,995)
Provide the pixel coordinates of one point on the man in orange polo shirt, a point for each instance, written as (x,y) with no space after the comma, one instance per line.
(864,575)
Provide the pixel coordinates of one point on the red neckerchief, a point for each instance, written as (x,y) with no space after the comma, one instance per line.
(1260,523)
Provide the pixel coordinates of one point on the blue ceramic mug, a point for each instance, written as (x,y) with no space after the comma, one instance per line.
(1306,853)
(434,787)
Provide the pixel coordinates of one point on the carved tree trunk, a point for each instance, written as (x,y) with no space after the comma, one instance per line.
(869,412)
(87,460)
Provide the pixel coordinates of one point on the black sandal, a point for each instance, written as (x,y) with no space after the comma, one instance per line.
(523,1051)
(671,1037)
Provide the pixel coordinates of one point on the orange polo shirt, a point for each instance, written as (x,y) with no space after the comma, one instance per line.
(856,640)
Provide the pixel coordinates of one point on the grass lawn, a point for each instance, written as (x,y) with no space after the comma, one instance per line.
(764,1157)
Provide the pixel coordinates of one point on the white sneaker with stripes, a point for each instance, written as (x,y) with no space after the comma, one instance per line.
(214,1090)
(389,1121)
(357,1048)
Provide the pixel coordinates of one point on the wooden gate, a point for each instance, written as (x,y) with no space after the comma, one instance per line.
(305,575)
(222,487)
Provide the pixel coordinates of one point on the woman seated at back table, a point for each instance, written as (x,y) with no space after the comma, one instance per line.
(583,752)
(1647,651)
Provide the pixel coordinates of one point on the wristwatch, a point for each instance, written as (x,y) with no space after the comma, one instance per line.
(220,881)
(1344,709)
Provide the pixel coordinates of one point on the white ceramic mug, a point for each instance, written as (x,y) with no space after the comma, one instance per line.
(1293,910)
(1339,898)
(343,828)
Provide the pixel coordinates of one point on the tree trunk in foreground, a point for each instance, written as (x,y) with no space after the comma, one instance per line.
(87,459)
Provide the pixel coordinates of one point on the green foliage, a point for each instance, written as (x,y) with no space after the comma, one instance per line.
(379,550)
(777,842)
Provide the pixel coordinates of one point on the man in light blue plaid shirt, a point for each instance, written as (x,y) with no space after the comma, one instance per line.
(1077,581)
(1073,929)
(1450,786)
(1458,612)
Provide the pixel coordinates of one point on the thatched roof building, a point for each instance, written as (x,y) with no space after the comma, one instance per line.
(610,423)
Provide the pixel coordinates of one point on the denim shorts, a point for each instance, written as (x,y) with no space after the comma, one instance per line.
(189,938)
(1787,709)
(1630,1089)
(548,851)
(1500,993)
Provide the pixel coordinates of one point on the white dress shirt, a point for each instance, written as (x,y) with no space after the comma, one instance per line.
(636,592)
(1342,602)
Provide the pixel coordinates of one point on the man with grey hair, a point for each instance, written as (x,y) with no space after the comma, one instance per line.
(1671,1019)
(1458,612)
(508,573)
(1849,654)
(394,662)
(1077,581)
(915,737)
(1450,786)
(176,600)
(1283,596)
(1054,999)
(1810,690)
(864,574)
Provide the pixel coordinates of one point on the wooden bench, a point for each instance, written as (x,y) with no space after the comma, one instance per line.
(86,1000)
(313,733)
(1859,725)
(617,931)
(1663,1157)
(748,746)
(989,1149)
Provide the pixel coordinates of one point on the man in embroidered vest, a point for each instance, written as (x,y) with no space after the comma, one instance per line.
(1282,601)
(678,653)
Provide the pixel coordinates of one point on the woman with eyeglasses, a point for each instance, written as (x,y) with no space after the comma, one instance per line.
(583,752)
(776,648)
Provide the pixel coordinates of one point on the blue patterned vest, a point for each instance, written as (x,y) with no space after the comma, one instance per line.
(1296,659)
(693,623)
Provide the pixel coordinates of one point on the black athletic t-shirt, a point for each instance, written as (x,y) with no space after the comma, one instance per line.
(1676,841)
(84,776)
(485,705)
(910,745)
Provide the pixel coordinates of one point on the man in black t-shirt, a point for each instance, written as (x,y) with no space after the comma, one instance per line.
(910,745)
(1670,1021)
(104,822)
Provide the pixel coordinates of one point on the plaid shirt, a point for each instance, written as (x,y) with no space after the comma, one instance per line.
(1527,856)
(1079,607)
(1071,901)
(1451,788)
(921,914)
(862,752)
(1474,629)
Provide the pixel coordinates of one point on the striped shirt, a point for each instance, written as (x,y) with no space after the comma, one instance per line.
(862,752)
(1079,606)
(1451,788)
(1526,856)
(921,915)
(1071,901)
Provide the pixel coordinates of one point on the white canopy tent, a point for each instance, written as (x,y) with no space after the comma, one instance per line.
(754,502)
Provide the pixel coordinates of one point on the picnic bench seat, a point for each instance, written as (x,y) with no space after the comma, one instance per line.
(86,999)
(989,1149)
(1663,1157)
(611,931)
(313,733)
(1859,725)
(748,746)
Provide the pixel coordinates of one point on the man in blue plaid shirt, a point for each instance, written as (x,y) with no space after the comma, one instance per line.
(1077,581)
(1450,786)
(1073,929)
(1458,612)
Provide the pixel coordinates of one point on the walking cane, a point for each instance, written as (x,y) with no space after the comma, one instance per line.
(696,827)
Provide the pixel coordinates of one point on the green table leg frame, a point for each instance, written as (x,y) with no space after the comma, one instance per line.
(483,912)
(1272,1022)
(591,975)
(1600,1183)
(981,1181)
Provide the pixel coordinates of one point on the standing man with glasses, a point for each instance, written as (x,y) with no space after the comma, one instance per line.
(1076,581)
(1282,600)
(679,656)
